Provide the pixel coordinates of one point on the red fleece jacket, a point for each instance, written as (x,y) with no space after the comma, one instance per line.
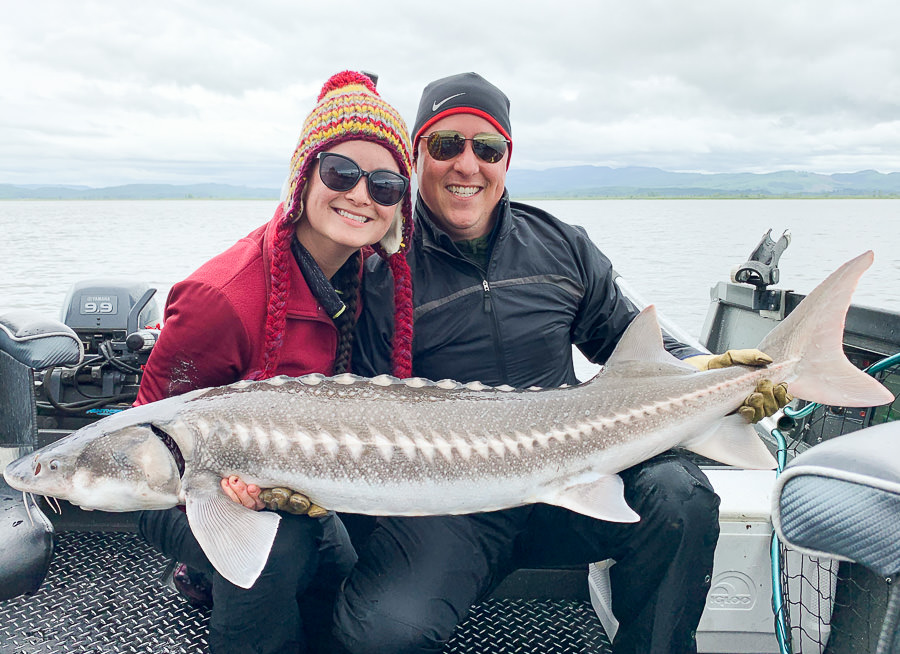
(214,329)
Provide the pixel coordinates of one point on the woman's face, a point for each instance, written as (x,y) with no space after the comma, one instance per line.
(346,220)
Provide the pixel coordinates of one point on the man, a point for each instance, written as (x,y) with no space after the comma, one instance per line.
(501,292)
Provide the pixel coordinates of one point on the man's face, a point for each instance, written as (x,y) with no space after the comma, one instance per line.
(463,191)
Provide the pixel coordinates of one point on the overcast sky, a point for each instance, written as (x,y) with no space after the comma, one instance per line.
(102,93)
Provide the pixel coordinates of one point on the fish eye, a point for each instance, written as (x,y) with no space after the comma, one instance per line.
(54,464)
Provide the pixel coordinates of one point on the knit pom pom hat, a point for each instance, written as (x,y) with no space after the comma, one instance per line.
(348,109)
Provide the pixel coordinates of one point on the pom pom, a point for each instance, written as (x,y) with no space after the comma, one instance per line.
(345,78)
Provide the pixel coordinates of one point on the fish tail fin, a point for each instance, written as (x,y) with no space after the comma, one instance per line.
(813,333)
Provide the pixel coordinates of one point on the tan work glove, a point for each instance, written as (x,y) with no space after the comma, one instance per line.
(285,499)
(766,399)
(729,358)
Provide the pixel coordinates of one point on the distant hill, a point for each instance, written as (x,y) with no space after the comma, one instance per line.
(138,192)
(565,182)
(602,181)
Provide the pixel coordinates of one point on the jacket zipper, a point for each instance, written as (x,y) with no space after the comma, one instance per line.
(488,308)
(498,339)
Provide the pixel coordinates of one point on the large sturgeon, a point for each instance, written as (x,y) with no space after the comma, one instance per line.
(414,447)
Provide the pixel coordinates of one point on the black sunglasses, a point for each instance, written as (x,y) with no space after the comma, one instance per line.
(340,173)
(443,145)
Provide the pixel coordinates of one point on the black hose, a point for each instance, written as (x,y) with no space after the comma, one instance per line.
(107,356)
(111,358)
(81,407)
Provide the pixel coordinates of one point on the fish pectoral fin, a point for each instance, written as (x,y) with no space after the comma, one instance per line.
(602,497)
(735,442)
(235,539)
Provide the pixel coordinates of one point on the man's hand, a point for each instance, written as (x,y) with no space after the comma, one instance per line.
(766,399)
(729,358)
(285,499)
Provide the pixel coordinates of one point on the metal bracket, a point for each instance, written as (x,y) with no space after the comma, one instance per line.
(766,300)
(761,269)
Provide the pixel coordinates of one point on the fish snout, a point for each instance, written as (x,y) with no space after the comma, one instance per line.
(41,473)
(26,472)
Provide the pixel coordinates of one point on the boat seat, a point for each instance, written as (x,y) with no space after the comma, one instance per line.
(28,342)
(38,342)
(841,499)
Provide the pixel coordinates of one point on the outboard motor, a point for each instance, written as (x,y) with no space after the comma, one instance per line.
(117,322)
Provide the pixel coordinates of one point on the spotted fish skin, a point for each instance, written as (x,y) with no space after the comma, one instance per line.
(414,447)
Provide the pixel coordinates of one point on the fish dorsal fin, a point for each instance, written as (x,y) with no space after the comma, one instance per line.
(642,341)
(235,539)
(597,496)
(735,442)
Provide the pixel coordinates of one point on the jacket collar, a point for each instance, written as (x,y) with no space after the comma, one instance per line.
(432,236)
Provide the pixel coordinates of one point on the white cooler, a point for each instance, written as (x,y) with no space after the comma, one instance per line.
(738,615)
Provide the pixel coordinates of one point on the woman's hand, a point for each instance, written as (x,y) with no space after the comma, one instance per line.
(274,499)
(246,494)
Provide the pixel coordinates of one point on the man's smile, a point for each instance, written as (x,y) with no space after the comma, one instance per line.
(463,191)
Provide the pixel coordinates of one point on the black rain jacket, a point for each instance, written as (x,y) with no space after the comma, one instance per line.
(546,287)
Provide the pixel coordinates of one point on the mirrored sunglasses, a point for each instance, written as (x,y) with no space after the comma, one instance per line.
(443,145)
(340,173)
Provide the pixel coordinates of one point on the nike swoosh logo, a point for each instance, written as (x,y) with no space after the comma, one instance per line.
(437,105)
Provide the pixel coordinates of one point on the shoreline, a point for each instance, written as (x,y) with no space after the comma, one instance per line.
(516,198)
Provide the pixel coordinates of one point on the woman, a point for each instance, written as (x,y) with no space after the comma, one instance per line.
(284,301)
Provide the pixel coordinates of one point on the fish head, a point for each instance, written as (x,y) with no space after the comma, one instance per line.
(108,466)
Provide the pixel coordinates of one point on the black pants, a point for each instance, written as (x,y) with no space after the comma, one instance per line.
(417,577)
(289,607)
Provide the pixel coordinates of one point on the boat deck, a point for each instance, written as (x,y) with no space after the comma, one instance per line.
(104,593)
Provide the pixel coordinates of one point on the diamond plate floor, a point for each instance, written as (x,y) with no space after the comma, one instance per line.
(102,595)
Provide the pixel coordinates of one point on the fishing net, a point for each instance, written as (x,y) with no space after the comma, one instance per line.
(830,607)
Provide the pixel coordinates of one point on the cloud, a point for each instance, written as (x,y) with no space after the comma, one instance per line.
(101,93)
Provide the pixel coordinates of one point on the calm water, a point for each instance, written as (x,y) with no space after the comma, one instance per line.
(671,251)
